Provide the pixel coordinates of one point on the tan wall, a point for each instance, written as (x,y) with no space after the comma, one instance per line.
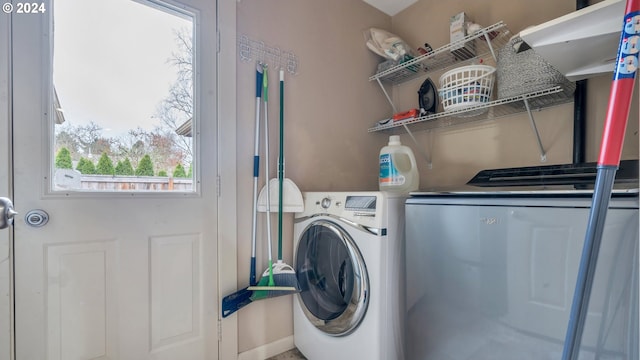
(330,105)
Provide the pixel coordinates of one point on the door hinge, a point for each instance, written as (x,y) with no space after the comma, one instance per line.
(218,185)
(219,330)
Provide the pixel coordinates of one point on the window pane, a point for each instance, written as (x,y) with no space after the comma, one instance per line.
(123,90)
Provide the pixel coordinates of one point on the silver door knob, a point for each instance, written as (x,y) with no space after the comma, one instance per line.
(6,212)
(36,218)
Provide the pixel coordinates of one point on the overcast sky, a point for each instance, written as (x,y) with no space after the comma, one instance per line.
(110,61)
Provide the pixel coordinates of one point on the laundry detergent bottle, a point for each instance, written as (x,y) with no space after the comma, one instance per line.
(398,168)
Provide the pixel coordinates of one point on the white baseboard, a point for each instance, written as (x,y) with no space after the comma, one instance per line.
(268,350)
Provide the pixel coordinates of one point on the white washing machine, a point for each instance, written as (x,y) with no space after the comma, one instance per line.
(349,251)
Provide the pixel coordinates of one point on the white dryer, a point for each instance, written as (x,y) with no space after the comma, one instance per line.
(349,250)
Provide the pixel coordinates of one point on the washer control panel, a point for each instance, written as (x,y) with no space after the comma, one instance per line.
(360,207)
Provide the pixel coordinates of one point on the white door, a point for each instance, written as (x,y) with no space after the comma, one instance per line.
(5,191)
(113,274)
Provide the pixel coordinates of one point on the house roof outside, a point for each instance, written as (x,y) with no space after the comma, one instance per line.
(59,117)
(185,129)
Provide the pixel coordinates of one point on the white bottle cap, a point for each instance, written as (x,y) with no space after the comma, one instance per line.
(394,140)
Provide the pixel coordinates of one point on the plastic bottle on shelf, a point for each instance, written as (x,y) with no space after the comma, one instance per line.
(398,168)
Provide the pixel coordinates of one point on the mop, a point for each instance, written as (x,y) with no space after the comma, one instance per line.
(241,298)
(608,162)
(278,279)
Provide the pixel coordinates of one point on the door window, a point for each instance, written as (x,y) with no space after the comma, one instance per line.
(123,97)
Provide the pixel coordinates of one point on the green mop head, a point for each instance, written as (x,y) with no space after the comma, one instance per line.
(278,280)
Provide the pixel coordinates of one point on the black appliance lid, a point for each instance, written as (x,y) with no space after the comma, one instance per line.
(567,174)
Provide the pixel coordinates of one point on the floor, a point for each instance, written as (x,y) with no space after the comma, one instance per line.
(292,354)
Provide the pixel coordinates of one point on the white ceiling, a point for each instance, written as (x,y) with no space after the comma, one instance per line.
(390,7)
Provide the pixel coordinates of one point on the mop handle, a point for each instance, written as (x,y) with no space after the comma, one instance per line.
(256,174)
(621,87)
(256,145)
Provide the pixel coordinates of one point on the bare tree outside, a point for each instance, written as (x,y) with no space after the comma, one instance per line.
(133,145)
(177,108)
(163,144)
(82,140)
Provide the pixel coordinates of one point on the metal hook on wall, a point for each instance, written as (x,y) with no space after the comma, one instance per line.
(254,50)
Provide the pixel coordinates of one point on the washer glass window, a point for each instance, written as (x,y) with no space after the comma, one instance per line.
(332,277)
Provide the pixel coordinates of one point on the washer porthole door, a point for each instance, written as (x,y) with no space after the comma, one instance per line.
(333,278)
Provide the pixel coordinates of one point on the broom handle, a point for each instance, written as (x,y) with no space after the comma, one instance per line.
(281,165)
(265,97)
(608,162)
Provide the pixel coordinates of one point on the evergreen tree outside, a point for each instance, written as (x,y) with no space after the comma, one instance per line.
(63,159)
(162,173)
(81,165)
(85,166)
(118,168)
(145,167)
(178,172)
(124,168)
(105,165)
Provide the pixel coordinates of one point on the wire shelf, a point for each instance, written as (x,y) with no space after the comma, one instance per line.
(485,41)
(495,109)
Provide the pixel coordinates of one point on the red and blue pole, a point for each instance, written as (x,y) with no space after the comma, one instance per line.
(608,162)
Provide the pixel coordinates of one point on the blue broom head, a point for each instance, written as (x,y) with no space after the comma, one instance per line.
(236,301)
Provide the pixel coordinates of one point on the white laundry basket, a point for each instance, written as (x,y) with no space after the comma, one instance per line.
(467,86)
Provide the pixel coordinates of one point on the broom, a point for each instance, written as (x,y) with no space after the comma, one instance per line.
(278,279)
(283,273)
(608,161)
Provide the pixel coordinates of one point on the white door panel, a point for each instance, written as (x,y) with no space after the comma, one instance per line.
(120,275)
